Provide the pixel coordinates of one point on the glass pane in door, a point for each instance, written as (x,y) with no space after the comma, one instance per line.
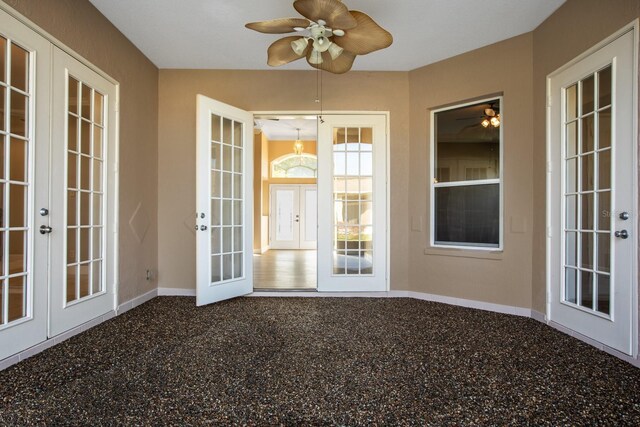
(588,193)
(85,136)
(353,201)
(227,193)
(15,181)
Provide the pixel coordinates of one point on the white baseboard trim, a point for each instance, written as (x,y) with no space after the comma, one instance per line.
(315,294)
(133,303)
(38,348)
(498,308)
(630,359)
(176,292)
(540,317)
(122,308)
(479,305)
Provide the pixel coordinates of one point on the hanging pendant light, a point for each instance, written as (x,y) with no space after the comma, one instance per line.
(297,146)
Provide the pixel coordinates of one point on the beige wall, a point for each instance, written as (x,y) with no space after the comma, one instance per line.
(272,90)
(505,278)
(84,29)
(553,46)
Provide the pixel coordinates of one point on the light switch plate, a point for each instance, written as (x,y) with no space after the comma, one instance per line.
(416,223)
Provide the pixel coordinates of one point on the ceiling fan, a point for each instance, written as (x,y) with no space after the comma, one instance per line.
(490,117)
(330,36)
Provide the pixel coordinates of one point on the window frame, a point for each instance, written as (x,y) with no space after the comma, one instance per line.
(433,185)
(288,156)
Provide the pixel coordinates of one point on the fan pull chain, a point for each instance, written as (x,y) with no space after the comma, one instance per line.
(319,92)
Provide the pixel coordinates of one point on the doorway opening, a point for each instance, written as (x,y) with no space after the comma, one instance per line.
(285,203)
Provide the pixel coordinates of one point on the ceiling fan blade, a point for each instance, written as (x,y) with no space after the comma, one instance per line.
(366,37)
(335,13)
(340,65)
(278,26)
(280,52)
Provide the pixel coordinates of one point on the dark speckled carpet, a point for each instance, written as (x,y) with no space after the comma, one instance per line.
(319,361)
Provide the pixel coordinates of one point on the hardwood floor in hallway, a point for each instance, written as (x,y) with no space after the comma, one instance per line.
(285,270)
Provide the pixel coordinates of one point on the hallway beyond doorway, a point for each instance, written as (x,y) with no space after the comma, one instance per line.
(285,270)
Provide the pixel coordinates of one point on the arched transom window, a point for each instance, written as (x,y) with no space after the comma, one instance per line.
(295,166)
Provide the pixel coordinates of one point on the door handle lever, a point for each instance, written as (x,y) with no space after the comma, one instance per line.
(623,234)
(45,229)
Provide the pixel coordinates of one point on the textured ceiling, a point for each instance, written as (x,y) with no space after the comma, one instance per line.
(283,128)
(211,33)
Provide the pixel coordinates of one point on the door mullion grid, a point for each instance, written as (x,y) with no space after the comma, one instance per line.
(580,195)
(359,199)
(596,186)
(91,195)
(7,172)
(233,195)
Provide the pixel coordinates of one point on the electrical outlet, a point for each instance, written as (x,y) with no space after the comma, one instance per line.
(149,274)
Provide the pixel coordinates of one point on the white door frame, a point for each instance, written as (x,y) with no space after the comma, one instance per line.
(30,25)
(633,26)
(387,116)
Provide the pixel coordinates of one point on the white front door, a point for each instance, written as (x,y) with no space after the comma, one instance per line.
(352,200)
(293,215)
(284,217)
(224,224)
(82,208)
(593,212)
(25,65)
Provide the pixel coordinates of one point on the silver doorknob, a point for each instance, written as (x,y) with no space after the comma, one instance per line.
(623,234)
(45,229)
(624,216)
(203,227)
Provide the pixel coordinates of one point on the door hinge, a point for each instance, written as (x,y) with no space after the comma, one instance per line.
(549,100)
(549,166)
(116,107)
(549,232)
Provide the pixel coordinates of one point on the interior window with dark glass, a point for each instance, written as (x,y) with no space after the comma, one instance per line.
(466,175)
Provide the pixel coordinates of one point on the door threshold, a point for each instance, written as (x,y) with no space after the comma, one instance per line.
(285,289)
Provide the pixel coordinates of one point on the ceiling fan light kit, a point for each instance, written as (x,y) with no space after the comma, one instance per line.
(492,118)
(330,38)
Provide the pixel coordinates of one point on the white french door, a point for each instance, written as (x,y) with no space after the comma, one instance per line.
(293,216)
(352,228)
(82,207)
(224,221)
(25,65)
(593,205)
(57,190)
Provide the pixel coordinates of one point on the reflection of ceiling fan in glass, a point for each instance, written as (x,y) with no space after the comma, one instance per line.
(491,117)
(330,36)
